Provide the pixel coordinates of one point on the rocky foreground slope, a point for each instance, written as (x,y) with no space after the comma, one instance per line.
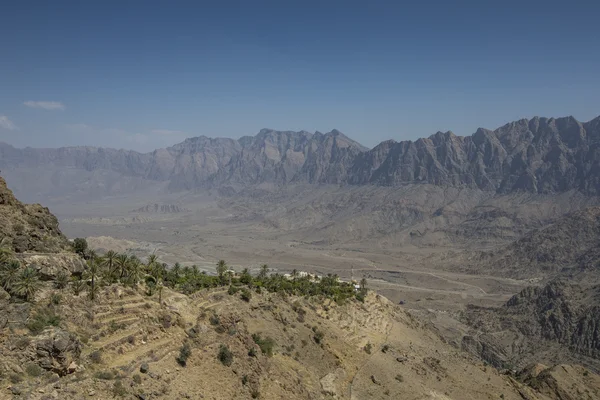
(127,345)
(541,155)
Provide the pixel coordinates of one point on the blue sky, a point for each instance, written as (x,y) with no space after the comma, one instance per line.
(147,74)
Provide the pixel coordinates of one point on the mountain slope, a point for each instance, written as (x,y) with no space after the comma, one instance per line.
(540,324)
(569,245)
(541,155)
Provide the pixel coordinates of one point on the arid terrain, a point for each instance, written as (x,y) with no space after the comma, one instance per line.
(466,259)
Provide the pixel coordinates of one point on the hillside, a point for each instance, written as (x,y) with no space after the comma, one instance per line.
(120,328)
(568,246)
(25,227)
(540,324)
(126,344)
(541,155)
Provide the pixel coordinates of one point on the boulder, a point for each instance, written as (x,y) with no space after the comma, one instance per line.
(57,350)
(50,265)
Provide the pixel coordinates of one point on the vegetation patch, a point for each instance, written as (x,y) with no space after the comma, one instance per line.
(42,319)
(225,355)
(184,353)
(266,344)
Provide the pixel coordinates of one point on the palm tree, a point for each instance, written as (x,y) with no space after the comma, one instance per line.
(9,273)
(27,283)
(122,263)
(157,274)
(152,261)
(221,269)
(176,270)
(108,261)
(134,270)
(92,273)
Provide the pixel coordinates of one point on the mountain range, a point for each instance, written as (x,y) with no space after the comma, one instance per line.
(540,155)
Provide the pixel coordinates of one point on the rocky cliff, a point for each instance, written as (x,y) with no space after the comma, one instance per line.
(28,227)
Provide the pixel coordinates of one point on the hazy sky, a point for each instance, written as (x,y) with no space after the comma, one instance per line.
(147,74)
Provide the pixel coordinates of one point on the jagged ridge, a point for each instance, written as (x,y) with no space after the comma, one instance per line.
(541,155)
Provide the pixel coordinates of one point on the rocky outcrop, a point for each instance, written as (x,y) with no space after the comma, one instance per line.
(557,318)
(56,350)
(50,265)
(28,227)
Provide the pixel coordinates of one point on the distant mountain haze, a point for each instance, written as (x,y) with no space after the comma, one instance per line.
(540,155)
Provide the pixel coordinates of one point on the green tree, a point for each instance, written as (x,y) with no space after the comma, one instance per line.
(91,273)
(134,271)
(245,277)
(121,262)
(264,271)
(8,273)
(108,261)
(27,283)
(151,264)
(221,269)
(158,272)
(80,246)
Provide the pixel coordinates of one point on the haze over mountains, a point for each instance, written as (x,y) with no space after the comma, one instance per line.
(541,155)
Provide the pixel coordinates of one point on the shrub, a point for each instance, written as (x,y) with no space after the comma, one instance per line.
(232,290)
(215,320)
(56,298)
(266,345)
(33,370)
(225,355)
(255,394)
(368,348)
(42,319)
(62,280)
(385,348)
(119,390)
(77,286)
(104,375)
(399,378)
(246,295)
(80,245)
(184,353)
(15,378)
(252,352)
(318,336)
(96,357)
(137,378)
(244,379)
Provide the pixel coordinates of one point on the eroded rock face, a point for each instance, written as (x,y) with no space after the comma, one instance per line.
(50,265)
(28,227)
(56,350)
